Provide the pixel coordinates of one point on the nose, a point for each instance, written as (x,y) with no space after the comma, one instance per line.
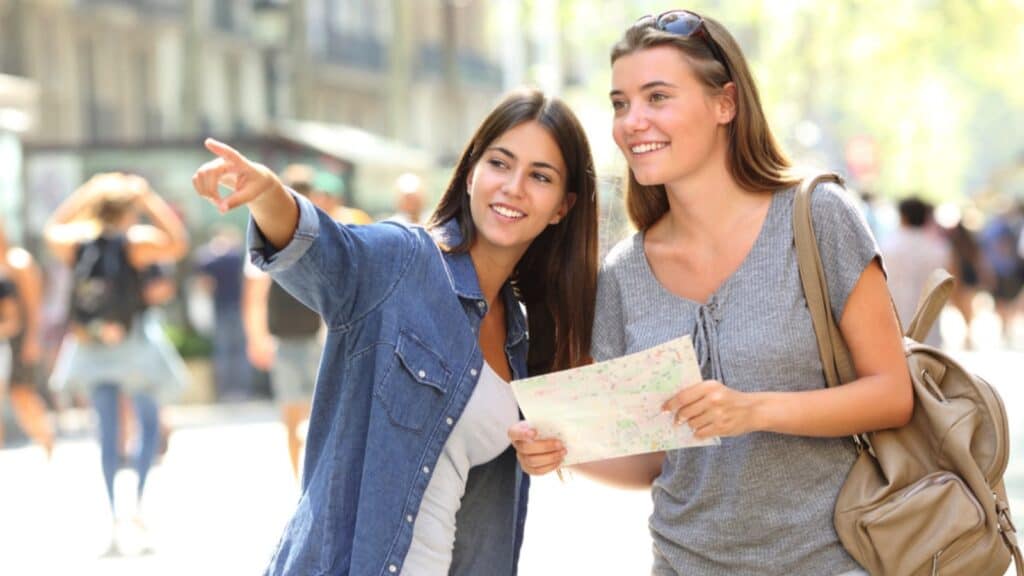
(635,119)
(514,183)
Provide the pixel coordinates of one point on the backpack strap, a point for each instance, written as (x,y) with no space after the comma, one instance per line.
(934,296)
(835,357)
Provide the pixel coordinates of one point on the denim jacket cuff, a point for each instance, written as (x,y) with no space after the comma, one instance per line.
(266,257)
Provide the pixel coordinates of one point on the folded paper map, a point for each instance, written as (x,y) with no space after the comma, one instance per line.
(613,408)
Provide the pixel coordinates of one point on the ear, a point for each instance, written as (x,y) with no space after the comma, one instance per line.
(567,203)
(726,104)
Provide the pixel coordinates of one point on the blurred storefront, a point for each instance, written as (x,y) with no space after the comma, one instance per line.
(17,113)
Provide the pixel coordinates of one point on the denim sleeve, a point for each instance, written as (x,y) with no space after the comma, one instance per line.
(341,272)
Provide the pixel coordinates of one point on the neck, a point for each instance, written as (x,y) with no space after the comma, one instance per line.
(493,269)
(706,203)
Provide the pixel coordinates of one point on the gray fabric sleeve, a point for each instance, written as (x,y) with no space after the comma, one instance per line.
(844,240)
(608,340)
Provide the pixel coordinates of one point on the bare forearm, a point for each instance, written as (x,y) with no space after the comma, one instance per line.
(632,472)
(164,218)
(72,207)
(867,404)
(276,215)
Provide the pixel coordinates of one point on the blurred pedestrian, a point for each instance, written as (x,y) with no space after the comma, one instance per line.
(408,199)
(168,372)
(912,252)
(283,336)
(18,266)
(999,245)
(972,272)
(325,192)
(97,232)
(408,467)
(219,265)
(711,194)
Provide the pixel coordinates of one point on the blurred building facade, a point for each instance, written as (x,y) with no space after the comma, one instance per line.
(136,74)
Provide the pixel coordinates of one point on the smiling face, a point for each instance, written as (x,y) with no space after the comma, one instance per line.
(517,189)
(667,123)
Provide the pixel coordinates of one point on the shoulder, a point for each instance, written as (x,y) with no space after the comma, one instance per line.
(625,254)
(830,200)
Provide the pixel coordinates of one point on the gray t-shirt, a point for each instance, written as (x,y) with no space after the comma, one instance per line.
(760,503)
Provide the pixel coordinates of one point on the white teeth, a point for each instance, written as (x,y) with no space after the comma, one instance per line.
(642,148)
(508,212)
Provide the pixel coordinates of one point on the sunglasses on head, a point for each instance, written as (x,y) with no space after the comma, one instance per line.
(688,25)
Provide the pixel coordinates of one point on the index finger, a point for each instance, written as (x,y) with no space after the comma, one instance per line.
(224,151)
(683,398)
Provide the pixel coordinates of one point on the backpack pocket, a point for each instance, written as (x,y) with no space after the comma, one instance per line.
(416,383)
(915,528)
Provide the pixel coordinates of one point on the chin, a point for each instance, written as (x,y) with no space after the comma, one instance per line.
(648,178)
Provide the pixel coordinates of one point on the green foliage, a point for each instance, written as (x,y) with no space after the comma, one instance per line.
(190,344)
(936,84)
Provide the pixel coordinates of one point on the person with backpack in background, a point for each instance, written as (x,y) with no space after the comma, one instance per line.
(282,334)
(168,372)
(18,266)
(96,231)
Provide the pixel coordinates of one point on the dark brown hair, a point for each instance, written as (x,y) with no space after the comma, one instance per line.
(556,279)
(755,159)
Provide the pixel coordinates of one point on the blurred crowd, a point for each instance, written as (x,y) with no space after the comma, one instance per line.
(124,258)
(984,252)
(118,258)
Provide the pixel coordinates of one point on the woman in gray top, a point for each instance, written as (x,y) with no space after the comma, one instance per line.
(711,195)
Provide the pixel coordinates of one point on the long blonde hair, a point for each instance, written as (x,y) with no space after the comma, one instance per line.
(755,159)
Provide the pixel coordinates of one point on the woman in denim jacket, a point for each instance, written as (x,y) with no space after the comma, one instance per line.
(408,468)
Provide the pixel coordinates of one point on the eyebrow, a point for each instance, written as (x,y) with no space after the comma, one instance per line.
(645,87)
(509,153)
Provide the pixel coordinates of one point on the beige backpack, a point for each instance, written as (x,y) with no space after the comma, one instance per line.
(927,498)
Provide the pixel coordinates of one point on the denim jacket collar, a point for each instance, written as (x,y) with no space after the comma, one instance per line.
(466,284)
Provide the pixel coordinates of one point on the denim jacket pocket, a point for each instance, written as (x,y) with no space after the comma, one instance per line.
(415,384)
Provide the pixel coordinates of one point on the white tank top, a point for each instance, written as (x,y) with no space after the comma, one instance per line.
(480,435)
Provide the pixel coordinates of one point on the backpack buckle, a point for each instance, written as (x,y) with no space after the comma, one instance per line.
(1003,514)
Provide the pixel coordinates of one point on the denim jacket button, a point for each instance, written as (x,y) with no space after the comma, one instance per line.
(426,469)
(421,374)
(409,518)
(473,372)
(392,568)
(449,421)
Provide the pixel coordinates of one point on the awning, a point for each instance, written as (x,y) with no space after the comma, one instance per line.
(359,147)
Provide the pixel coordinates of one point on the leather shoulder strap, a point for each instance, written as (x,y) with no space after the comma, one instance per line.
(835,357)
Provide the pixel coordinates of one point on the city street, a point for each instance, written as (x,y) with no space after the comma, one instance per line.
(217,502)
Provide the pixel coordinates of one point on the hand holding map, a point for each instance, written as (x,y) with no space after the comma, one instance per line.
(613,408)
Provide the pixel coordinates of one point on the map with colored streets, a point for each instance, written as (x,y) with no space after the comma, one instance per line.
(613,408)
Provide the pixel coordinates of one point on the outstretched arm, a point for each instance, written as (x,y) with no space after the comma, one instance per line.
(252,184)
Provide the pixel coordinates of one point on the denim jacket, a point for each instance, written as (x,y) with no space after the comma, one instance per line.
(399,365)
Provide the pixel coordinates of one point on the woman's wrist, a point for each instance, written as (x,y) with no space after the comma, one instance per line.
(763,412)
